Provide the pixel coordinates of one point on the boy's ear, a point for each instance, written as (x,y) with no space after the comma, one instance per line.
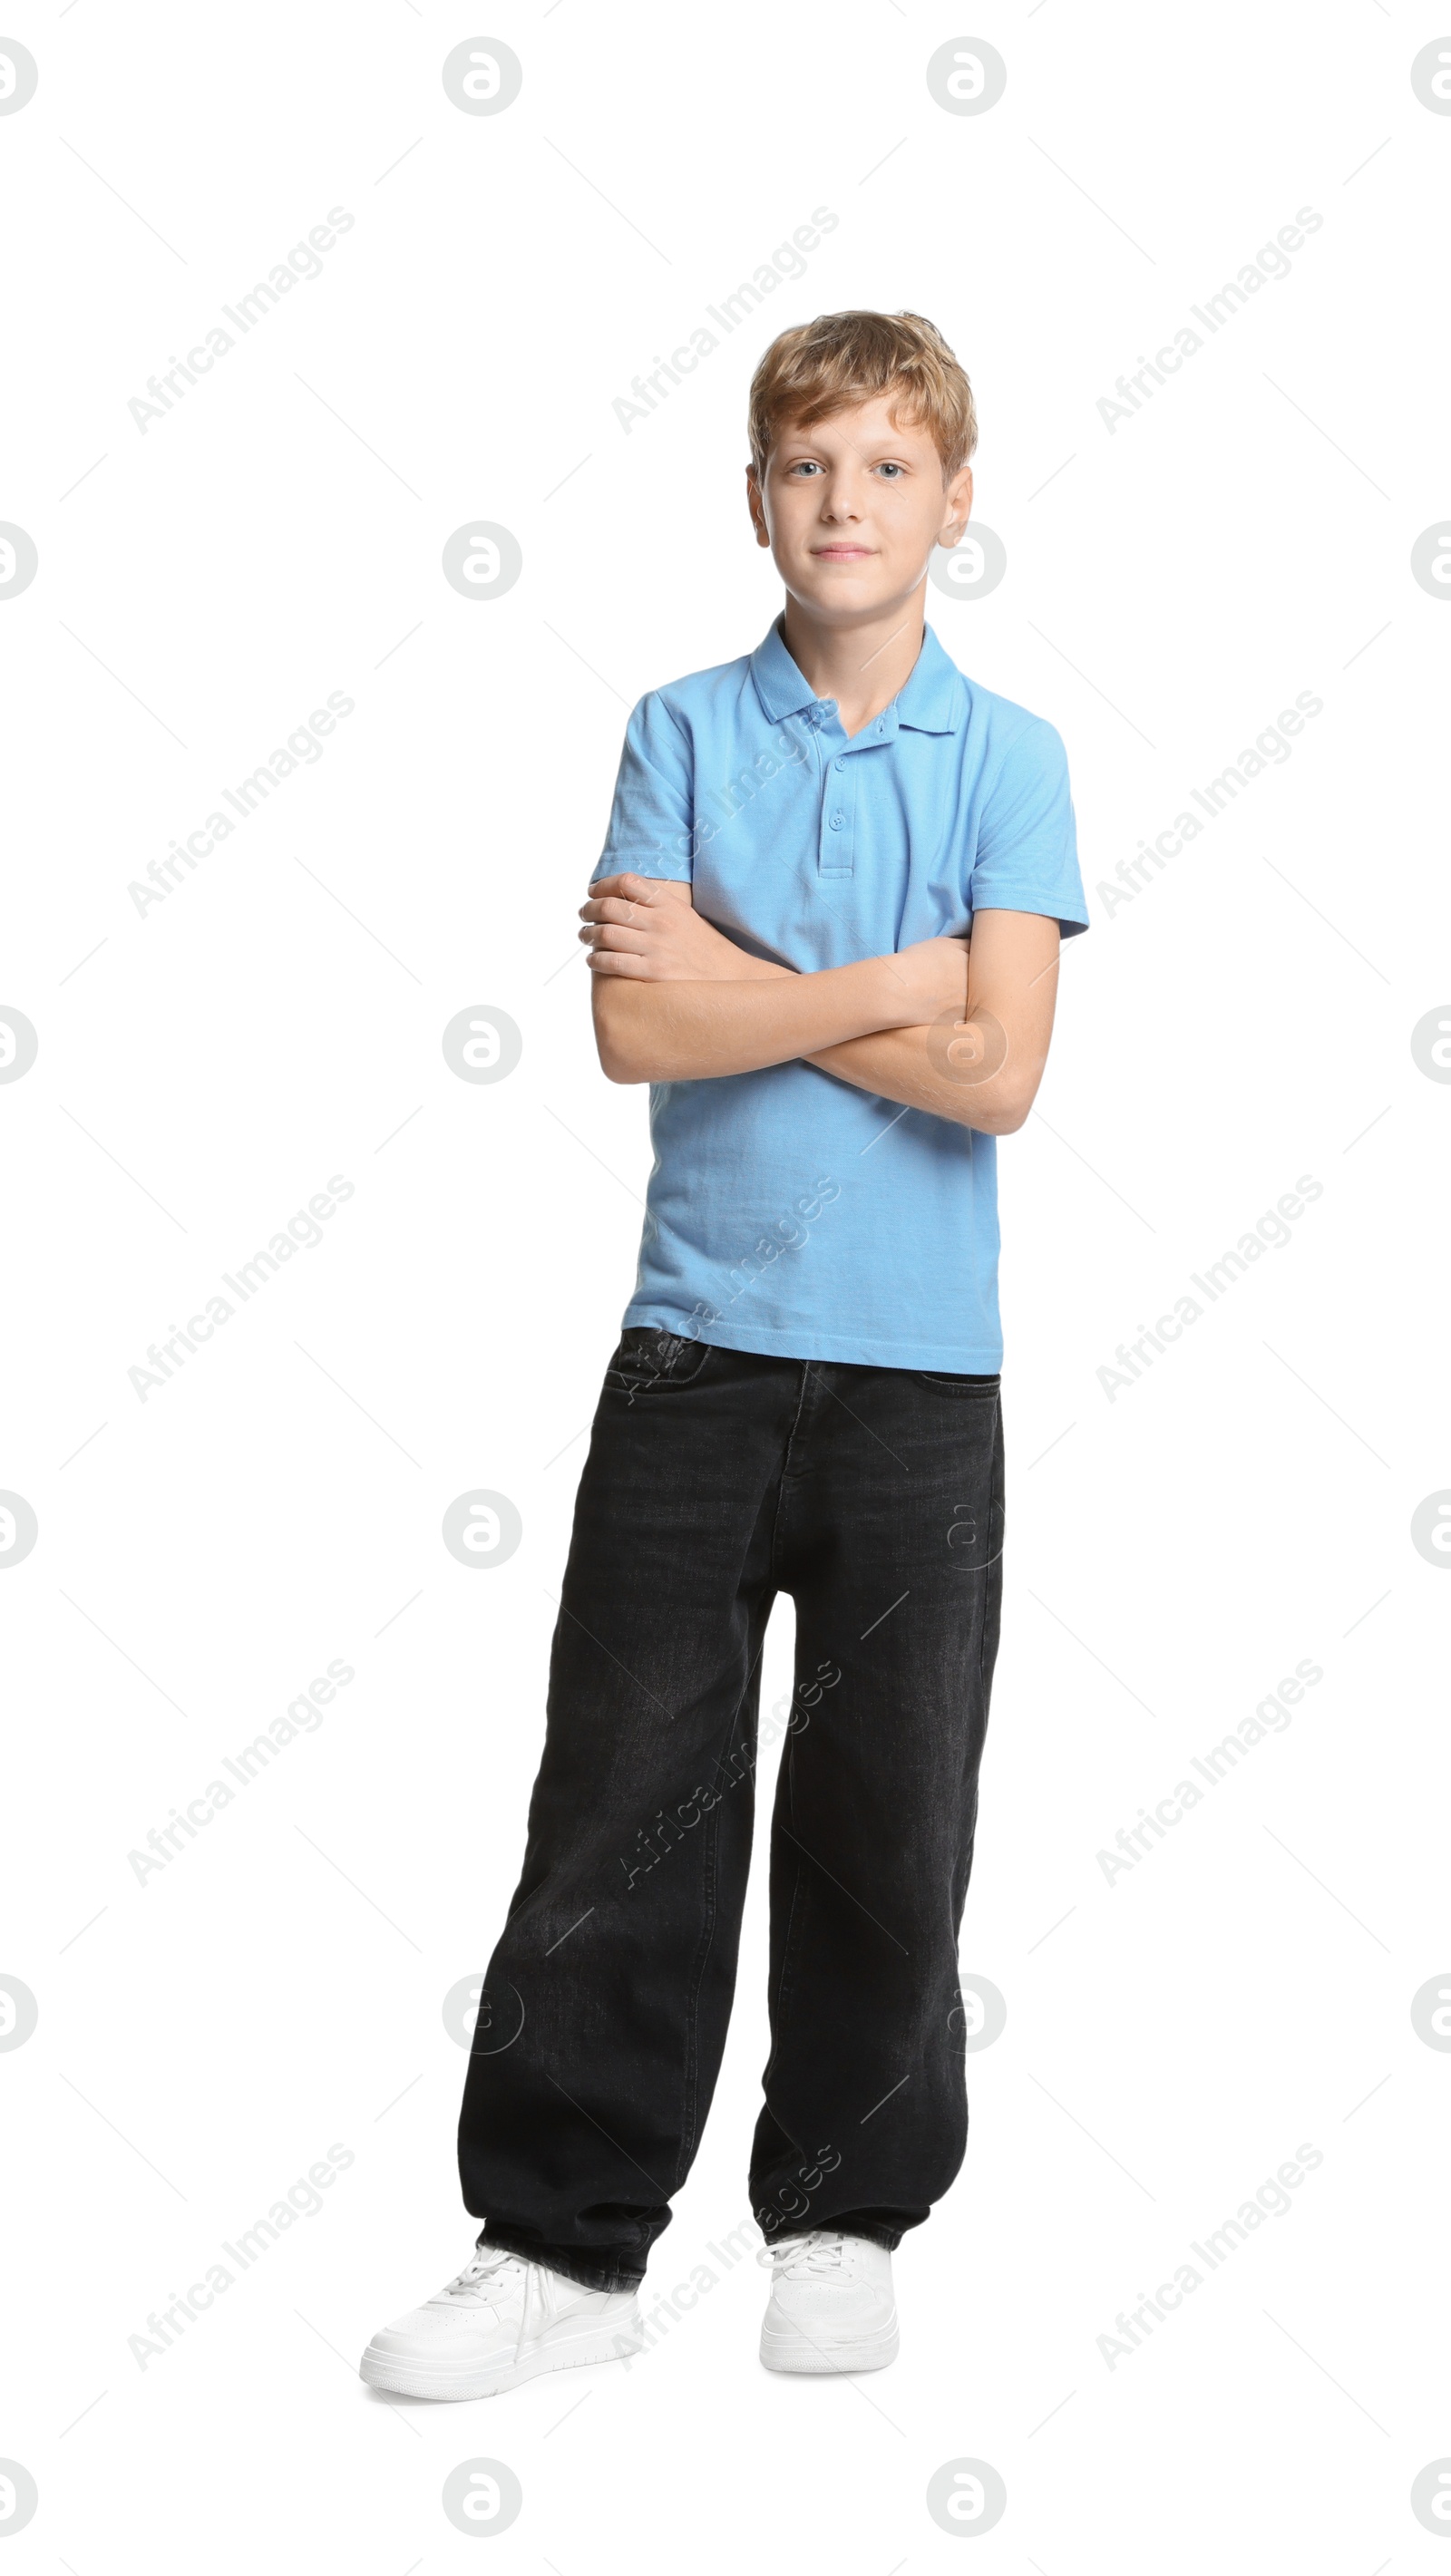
(756,506)
(956,507)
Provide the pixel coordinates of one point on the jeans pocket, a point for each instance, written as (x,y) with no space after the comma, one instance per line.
(652,1362)
(984,1387)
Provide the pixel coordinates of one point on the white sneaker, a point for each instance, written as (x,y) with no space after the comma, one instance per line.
(831,2305)
(503,2320)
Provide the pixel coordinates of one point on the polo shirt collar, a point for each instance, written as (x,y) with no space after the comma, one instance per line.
(779,684)
(930,701)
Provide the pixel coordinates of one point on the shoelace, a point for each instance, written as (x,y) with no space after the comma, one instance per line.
(486,2261)
(819,2252)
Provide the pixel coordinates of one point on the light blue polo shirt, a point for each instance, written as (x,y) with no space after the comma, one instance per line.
(788,1211)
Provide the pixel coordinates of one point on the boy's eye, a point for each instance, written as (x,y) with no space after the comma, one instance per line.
(810,466)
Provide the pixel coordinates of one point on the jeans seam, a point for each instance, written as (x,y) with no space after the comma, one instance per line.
(690,2107)
(996,1495)
(690,2102)
(783,1983)
(969,1842)
(777,1532)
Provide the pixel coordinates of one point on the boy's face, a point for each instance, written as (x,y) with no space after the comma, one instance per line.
(851,509)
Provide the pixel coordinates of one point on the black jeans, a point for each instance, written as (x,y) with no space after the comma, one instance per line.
(716,1479)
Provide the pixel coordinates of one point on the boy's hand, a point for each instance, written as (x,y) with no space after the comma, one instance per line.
(932,978)
(647,928)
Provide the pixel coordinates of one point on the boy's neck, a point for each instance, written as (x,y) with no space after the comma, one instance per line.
(862,667)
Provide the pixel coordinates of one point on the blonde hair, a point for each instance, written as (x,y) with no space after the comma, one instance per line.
(820,367)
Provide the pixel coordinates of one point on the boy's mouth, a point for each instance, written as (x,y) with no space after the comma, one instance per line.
(843,553)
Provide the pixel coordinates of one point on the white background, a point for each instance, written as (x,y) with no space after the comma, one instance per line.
(1172,2037)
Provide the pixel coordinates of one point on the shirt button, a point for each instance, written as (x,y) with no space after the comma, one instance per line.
(838,764)
(836,822)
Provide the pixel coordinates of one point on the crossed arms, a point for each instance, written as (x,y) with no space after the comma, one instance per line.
(956,1027)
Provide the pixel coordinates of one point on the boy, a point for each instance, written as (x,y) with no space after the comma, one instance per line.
(805,1399)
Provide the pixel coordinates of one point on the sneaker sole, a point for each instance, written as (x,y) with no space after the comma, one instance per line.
(796,2352)
(395,2376)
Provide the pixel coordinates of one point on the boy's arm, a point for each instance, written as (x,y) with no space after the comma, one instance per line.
(676,1001)
(984,1073)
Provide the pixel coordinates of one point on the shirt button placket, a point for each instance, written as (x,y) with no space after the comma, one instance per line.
(838,818)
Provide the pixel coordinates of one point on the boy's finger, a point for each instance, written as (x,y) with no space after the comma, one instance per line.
(630,888)
(612,908)
(616,935)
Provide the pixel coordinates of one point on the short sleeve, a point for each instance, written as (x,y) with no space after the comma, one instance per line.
(1027,844)
(653,815)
